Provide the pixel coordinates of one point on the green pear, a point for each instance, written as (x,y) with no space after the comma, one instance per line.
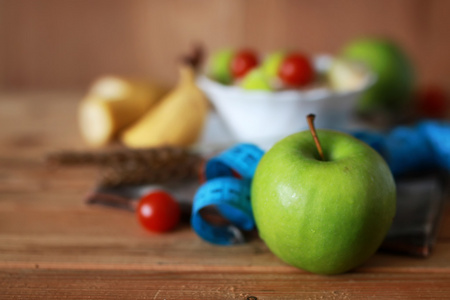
(324,216)
(394,72)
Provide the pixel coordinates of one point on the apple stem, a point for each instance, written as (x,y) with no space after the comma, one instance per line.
(310,118)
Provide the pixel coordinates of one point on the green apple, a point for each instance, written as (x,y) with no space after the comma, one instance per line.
(394,86)
(327,216)
(219,66)
(255,80)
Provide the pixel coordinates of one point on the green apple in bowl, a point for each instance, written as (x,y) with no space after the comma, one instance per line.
(271,66)
(255,80)
(324,216)
(219,66)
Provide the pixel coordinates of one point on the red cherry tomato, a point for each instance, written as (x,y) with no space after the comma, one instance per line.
(432,102)
(243,61)
(158,211)
(296,70)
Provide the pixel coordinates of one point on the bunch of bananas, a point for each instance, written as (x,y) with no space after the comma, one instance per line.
(142,114)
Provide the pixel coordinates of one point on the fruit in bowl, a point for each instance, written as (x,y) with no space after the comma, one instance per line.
(271,100)
(276,71)
(226,65)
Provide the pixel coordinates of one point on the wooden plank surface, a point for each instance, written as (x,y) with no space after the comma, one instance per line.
(64,284)
(53,246)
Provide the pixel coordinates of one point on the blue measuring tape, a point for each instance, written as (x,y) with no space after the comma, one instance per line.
(412,149)
(227,195)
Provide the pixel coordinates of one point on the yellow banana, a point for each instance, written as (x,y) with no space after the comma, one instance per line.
(114,103)
(177,120)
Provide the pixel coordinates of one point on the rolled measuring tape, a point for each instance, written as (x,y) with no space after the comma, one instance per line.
(412,149)
(227,192)
(438,135)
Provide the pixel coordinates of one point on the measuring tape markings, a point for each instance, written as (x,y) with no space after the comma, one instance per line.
(230,195)
(242,158)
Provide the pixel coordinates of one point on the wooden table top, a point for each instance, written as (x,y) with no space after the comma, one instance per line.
(53,246)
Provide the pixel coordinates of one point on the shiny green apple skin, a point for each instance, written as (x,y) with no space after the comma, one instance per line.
(325,217)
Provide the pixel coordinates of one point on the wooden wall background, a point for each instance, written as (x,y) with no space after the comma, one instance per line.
(60,44)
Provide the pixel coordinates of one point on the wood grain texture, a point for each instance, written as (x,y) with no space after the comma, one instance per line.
(64,284)
(66,44)
(53,246)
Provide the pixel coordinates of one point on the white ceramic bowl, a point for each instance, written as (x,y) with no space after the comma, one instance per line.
(265,116)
